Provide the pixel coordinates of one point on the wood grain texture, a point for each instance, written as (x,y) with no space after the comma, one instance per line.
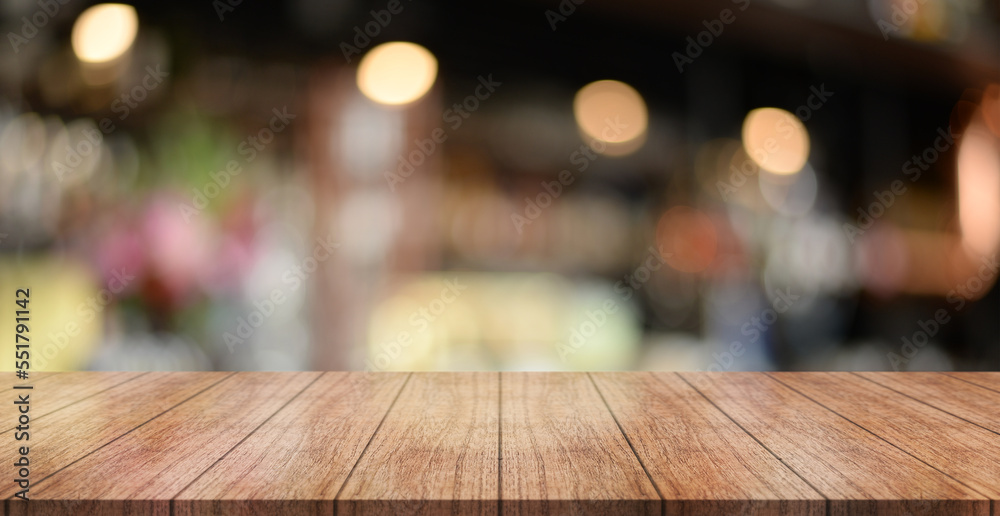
(143,469)
(859,473)
(53,391)
(988,380)
(967,401)
(955,447)
(701,462)
(435,453)
(9,378)
(64,436)
(186,444)
(298,460)
(563,453)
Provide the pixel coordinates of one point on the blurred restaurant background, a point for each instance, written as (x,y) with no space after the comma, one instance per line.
(529,185)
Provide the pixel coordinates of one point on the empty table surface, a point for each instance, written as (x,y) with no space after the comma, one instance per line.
(507,443)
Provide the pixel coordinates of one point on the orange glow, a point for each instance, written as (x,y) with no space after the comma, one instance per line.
(776,140)
(979,191)
(991,108)
(929,263)
(614,113)
(397,73)
(104,32)
(687,238)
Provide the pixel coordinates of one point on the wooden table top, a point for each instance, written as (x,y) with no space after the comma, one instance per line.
(512,443)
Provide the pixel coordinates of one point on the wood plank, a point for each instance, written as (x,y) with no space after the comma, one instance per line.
(965,400)
(436,452)
(298,460)
(55,391)
(859,473)
(512,443)
(141,471)
(9,378)
(989,380)
(963,451)
(563,453)
(701,462)
(61,437)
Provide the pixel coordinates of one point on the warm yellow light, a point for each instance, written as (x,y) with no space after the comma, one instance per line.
(104,32)
(776,140)
(611,112)
(979,191)
(397,73)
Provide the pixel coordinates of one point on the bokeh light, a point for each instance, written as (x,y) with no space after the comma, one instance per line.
(924,20)
(397,73)
(687,239)
(979,190)
(991,108)
(22,143)
(790,195)
(104,32)
(297,198)
(810,256)
(776,140)
(611,112)
(883,260)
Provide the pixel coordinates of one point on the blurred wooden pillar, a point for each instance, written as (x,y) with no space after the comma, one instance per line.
(347,286)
